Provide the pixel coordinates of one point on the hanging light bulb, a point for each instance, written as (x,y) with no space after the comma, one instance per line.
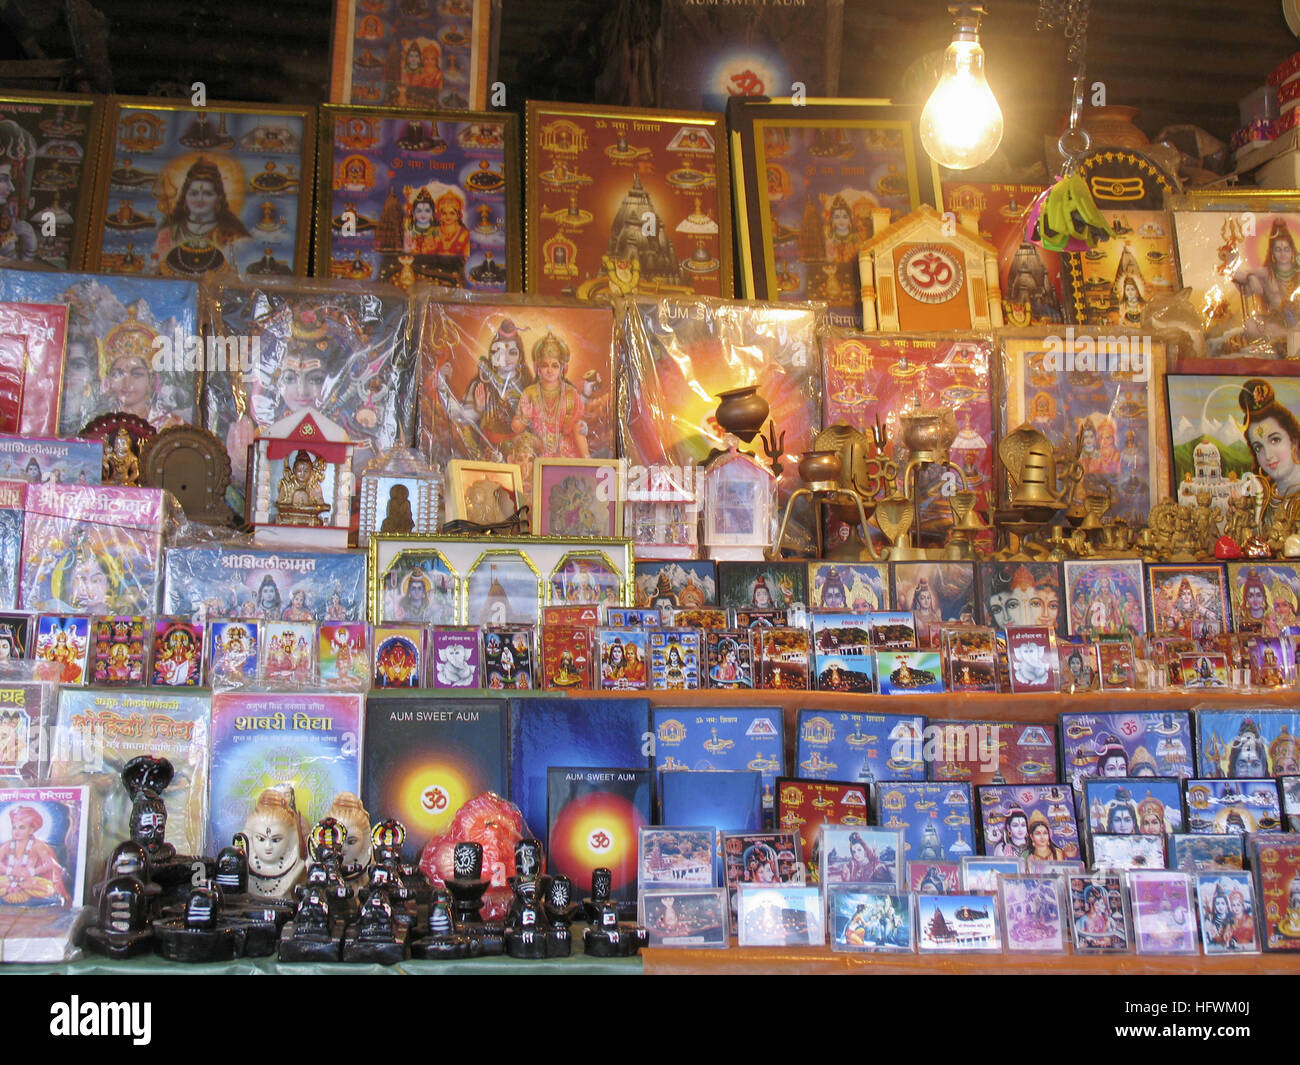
(961,124)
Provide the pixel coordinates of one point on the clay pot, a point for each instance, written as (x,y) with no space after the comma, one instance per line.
(742,412)
(1112,126)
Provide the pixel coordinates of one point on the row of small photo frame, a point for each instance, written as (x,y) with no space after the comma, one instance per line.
(1077,597)
(493,580)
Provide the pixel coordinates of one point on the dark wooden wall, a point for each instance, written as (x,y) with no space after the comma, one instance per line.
(1176,60)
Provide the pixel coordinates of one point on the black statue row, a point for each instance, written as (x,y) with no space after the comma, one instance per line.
(195,909)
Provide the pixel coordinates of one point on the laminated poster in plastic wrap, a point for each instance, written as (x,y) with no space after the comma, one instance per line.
(677,354)
(127,345)
(92,550)
(514,379)
(339,347)
(255,583)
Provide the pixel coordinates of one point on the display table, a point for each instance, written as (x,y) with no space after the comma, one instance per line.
(821,961)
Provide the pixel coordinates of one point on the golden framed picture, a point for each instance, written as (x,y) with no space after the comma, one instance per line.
(809,174)
(184,191)
(1237,252)
(623,199)
(578,497)
(409,198)
(483,492)
(1100,400)
(501,577)
(49,146)
(412,53)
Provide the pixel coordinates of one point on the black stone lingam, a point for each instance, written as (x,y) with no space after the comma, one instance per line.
(325,870)
(145,779)
(528,934)
(123,929)
(130,859)
(467,883)
(403,884)
(203,935)
(602,886)
(439,940)
(608,938)
(561,907)
(312,935)
(375,938)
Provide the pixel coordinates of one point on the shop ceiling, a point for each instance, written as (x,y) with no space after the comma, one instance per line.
(1176,60)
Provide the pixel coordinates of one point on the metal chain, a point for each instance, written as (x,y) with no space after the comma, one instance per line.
(1070,16)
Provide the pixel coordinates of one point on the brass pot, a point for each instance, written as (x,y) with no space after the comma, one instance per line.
(927,434)
(742,412)
(820,466)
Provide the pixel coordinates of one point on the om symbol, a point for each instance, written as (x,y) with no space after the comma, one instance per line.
(434,799)
(930,270)
(600,840)
(746,83)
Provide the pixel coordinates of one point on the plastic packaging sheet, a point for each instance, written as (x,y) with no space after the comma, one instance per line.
(238,580)
(677,354)
(122,334)
(874,379)
(92,550)
(487,385)
(1237,252)
(290,345)
(33,336)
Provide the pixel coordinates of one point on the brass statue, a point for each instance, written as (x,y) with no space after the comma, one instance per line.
(298,499)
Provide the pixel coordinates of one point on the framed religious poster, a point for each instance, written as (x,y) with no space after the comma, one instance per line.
(1111,283)
(49,143)
(1237,253)
(408,198)
(809,174)
(872,379)
(514,380)
(1237,438)
(494,580)
(578,497)
(1029,276)
(627,200)
(412,53)
(1100,402)
(184,192)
